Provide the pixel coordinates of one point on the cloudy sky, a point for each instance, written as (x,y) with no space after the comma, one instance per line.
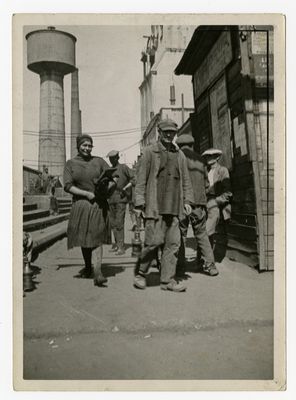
(110,73)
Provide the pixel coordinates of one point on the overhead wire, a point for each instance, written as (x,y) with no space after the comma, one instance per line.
(94,133)
(97,135)
(62,163)
(110,131)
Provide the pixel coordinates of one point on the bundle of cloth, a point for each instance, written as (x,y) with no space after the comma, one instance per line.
(106,184)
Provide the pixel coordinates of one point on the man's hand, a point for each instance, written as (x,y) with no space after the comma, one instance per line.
(139,211)
(90,196)
(187,209)
(122,193)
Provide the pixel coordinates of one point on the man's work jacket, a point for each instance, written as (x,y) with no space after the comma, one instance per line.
(221,190)
(125,175)
(146,182)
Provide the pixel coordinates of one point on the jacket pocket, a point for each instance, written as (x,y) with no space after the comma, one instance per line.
(176,173)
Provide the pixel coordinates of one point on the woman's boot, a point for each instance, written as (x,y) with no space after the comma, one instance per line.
(99,278)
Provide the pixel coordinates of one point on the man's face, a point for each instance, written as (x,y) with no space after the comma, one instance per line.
(167,137)
(114,160)
(212,159)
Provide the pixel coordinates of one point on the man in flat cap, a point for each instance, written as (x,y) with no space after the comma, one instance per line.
(199,180)
(163,194)
(118,201)
(219,194)
(45,179)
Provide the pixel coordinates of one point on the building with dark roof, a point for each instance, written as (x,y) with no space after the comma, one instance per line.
(232,80)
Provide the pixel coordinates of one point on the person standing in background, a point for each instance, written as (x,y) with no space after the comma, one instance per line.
(53,203)
(44,179)
(219,194)
(38,186)
(119,200)
(199,180)
(131,206)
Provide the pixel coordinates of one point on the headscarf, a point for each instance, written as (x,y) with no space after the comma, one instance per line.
(83,138)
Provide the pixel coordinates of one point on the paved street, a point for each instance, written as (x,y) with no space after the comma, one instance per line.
(220,328)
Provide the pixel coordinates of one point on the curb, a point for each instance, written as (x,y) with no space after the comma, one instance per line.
(43,239)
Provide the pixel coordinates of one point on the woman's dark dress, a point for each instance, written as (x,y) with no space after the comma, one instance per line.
(89,222)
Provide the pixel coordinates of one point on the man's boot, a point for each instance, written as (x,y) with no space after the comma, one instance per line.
(173,286)
(140,281)
(114,248)
(120,251)
(210,269)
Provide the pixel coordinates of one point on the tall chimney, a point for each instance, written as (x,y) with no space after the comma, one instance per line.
(75,112)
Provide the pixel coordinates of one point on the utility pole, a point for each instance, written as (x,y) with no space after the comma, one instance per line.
(182,106)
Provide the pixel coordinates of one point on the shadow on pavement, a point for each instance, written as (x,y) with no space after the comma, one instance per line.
(36,270)
(109,270)
(220,250)
(153,279)
(71,265)
(192,266)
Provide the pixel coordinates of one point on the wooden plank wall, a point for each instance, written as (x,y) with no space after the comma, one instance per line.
(242,230)
(243,227)
(261,65)
(200,124)
(242,173)
(265,153)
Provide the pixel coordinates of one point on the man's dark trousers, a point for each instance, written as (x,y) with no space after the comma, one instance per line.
(197,219)
(117,216)
(164,233)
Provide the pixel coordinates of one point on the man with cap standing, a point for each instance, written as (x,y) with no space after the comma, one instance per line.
(199,180)
(219,193)
(119,200)
(45,179)
(163,194)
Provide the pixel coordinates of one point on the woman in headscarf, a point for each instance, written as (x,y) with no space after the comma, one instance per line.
(88,225)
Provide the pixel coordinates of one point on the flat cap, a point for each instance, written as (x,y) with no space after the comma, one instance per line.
(167,125)
(212,152)
(186,138)
(113,153)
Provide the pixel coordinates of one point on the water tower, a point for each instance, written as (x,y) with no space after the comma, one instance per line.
(76,128)
(51,54)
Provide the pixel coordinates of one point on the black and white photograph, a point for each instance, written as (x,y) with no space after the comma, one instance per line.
(149,172)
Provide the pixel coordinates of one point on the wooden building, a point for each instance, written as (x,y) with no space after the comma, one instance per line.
(232,78)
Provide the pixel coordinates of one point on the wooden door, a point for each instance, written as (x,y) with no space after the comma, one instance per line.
(221,132)
(200,125)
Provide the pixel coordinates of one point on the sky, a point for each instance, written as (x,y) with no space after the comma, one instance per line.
(110,73)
